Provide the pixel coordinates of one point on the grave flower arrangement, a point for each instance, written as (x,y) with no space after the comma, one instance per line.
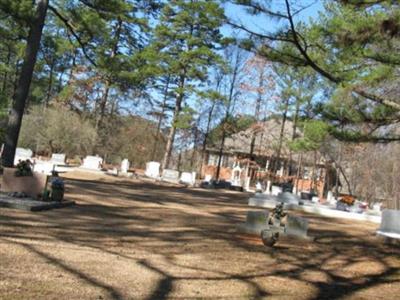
(57,189)
(24,168)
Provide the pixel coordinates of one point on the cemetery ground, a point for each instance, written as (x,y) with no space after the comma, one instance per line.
(135,239)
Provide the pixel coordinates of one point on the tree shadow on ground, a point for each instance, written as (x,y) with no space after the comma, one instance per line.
(171,222)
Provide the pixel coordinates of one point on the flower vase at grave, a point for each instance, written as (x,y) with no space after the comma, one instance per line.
(57,194)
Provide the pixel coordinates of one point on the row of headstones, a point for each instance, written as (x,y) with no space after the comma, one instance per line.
(24,154)
(39,166)
(169,175)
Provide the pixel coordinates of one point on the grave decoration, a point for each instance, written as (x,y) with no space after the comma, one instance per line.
(271,226)
(24,168)
(57,189)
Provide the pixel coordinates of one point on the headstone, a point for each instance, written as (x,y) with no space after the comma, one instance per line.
(247,184)
(280,172)
(296,226)
(236,176)
(22,154)
(207,178)
(188,178)
(258,187)
(267,190)
(58,158)
(92,162)
(113,172)
(125,165)
(170,175)
(152,169)
(330,198)
(276,190)
(390,224)
(377,207)
(288,198)
(45,167)
(256,221)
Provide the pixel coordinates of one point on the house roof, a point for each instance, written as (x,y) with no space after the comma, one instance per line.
(266,141)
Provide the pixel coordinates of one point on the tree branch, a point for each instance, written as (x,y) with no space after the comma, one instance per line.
(71,29)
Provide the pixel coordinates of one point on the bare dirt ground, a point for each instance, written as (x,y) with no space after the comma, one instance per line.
(134,239)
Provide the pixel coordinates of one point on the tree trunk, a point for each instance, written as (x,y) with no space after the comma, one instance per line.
(5,77)
(281,135)
(195,140)
(172,131)
(50,85)
(221,150)
(104,99)
(257,117)
(160,119)
(24,82)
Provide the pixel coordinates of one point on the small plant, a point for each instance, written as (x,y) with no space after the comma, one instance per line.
(24,168)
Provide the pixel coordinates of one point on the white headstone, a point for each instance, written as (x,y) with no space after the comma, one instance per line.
(330,198)
(377,207)
(152,169)
(92,162)
(22,154)
(247,184)
(188,178)
(58,158)
(125,165)
(268,187)
(236,176)
(45,167)
(276,190)
(280,172)
(315,199)
(170,175)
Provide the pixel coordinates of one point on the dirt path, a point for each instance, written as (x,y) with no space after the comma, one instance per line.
(130,239)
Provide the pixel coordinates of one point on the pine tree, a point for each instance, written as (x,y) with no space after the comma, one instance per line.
(184,47)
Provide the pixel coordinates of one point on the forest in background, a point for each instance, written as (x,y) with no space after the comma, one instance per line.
(150,80)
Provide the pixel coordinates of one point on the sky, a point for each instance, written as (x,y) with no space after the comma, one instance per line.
(265,24)
(262,23)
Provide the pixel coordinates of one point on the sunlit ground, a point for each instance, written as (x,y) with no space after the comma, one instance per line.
(132,239)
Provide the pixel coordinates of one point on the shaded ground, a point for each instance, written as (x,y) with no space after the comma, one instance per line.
(139,240)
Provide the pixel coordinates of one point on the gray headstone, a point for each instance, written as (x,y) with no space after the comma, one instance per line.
(390,221)
(289,198)
(58,158)
(170,175)
(256,221)
(296,226)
